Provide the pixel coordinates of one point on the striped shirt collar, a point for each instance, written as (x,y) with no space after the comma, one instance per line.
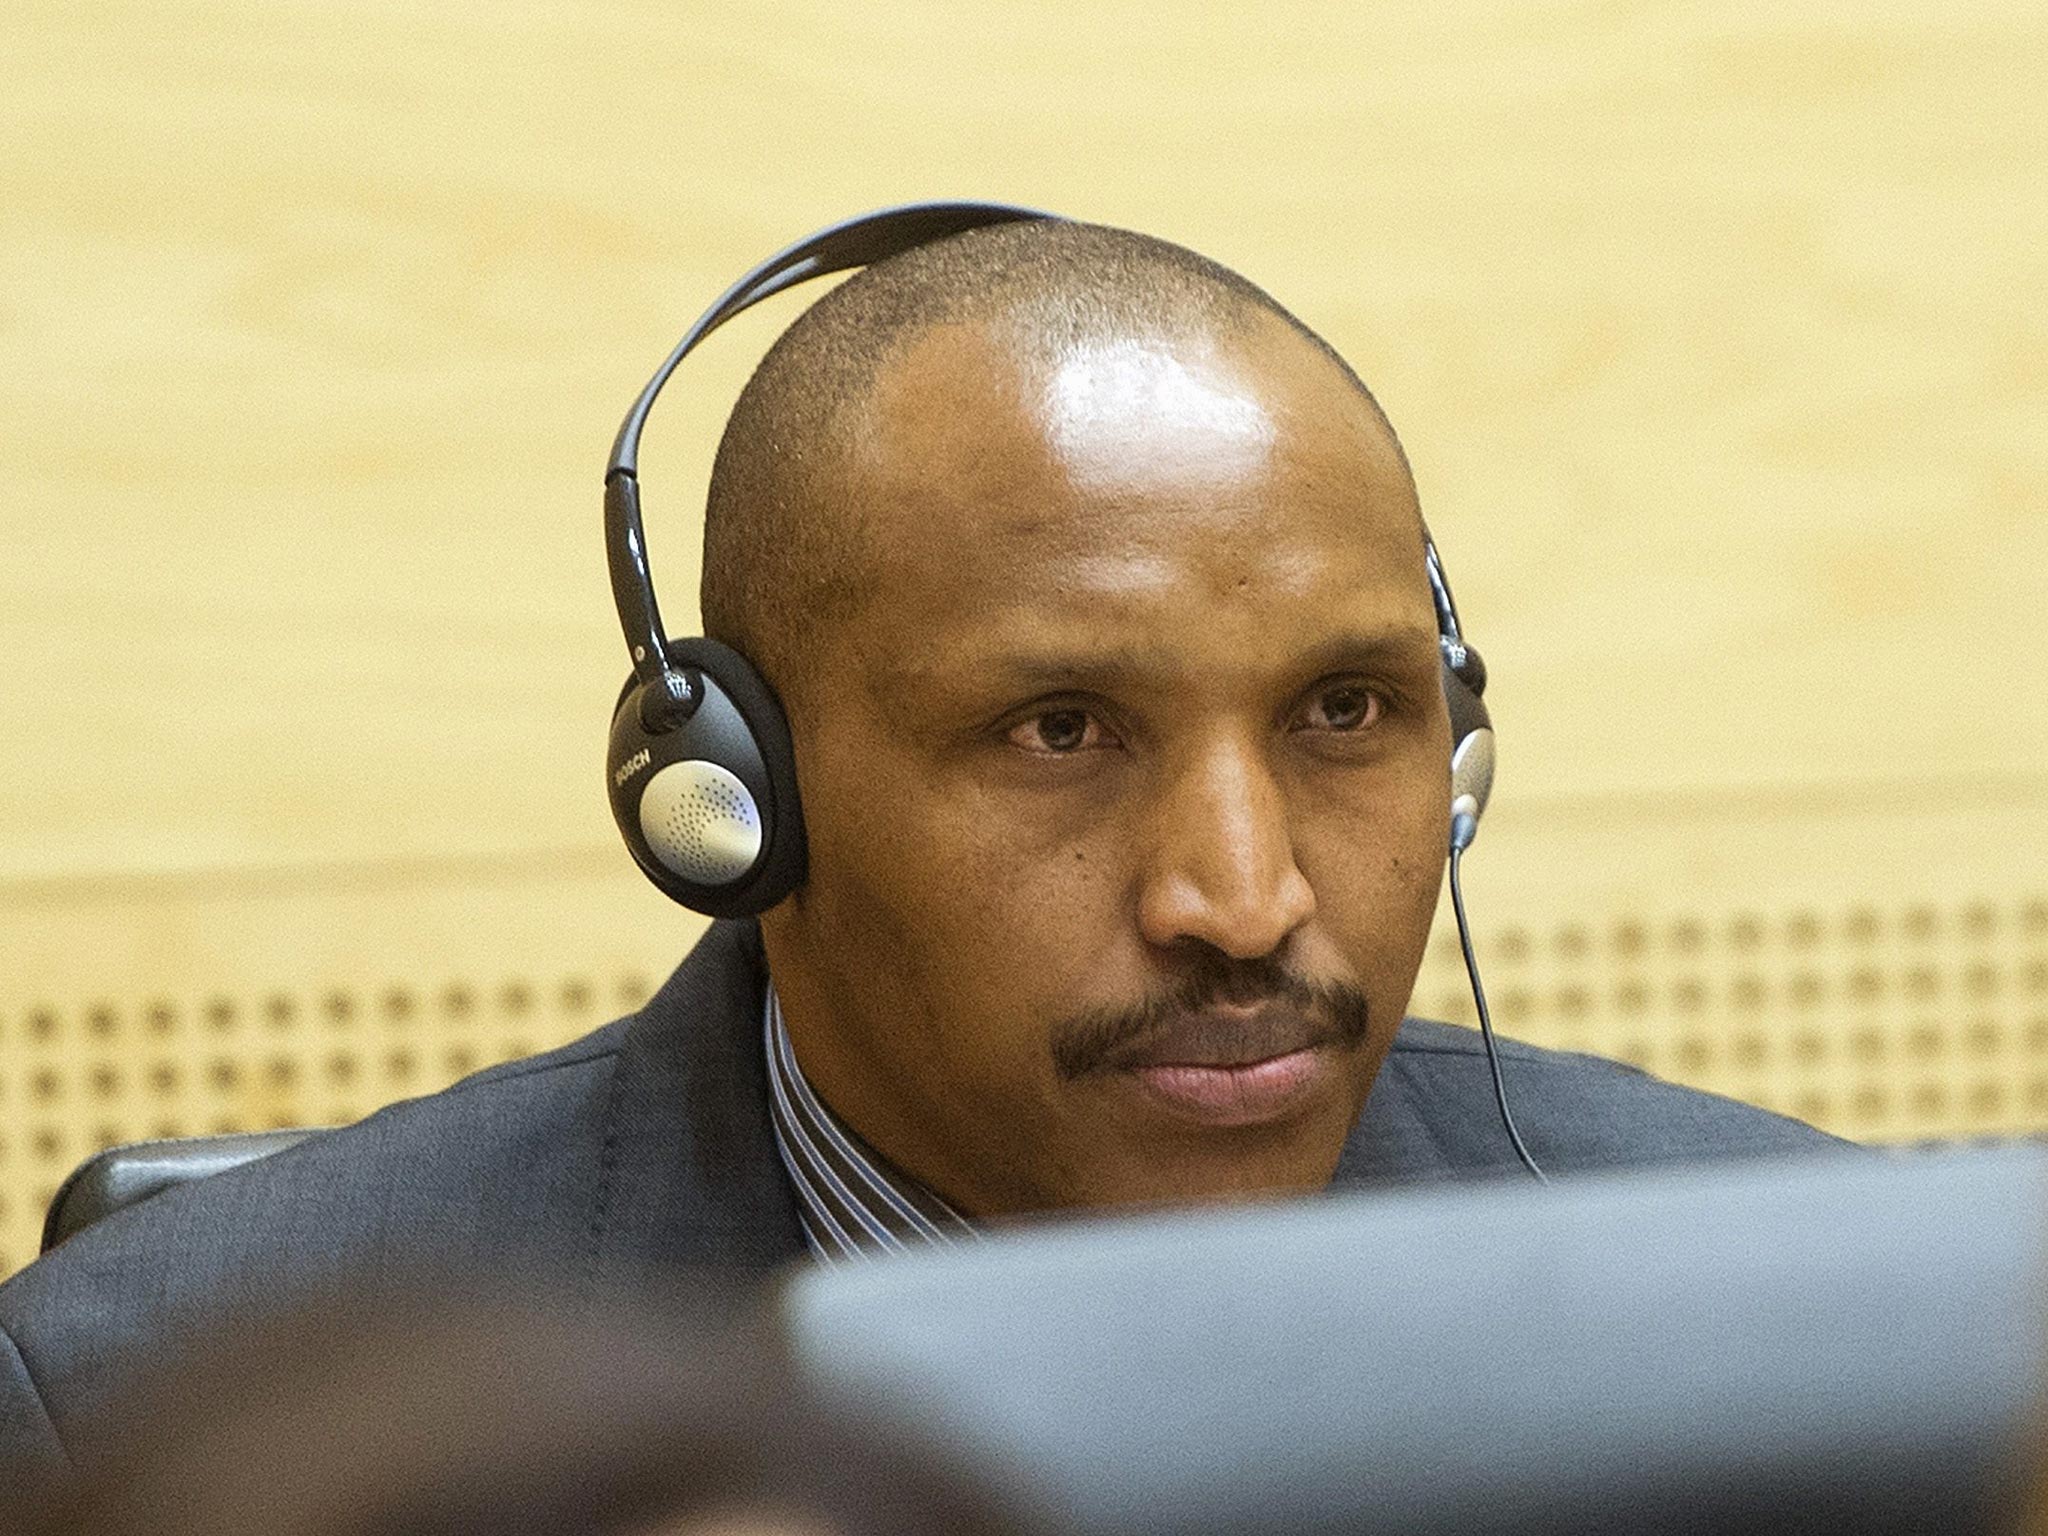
(853,1204)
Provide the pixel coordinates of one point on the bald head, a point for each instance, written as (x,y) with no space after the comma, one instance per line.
(786,543)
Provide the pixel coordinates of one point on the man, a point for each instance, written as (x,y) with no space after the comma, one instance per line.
(1093,584)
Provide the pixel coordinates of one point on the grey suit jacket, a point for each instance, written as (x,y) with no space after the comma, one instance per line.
(643,1149)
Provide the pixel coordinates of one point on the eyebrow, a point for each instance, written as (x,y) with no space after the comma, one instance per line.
(1107,668)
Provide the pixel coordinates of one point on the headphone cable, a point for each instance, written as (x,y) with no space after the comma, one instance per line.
(1500,1091)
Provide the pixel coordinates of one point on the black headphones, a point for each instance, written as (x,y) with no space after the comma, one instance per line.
(701,771)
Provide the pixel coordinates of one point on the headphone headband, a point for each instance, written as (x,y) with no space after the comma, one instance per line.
(855,242)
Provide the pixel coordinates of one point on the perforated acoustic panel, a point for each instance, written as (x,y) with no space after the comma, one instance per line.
(1885,1025)
(80,1079)
(1880,1026)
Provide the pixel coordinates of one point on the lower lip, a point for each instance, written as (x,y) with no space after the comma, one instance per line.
(1246,1095)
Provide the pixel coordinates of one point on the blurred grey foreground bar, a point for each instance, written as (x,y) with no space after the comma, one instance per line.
(1852,1343)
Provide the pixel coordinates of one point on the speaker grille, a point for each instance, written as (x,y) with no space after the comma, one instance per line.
(701,822)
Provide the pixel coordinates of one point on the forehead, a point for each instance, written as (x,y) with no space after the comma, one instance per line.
(1192,493)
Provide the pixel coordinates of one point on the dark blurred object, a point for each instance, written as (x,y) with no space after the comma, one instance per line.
(128,1175)
(1848,1344)
(477,1420)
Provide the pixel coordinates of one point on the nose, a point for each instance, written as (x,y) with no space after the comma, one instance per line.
(1220,865)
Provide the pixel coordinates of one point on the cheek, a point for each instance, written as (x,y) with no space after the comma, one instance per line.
(1023,914)
(1376,870)
(933,888)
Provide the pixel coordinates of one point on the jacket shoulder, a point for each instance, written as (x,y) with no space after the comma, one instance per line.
(498,1170)
(1432,1113)
(31,1454)
(634,1152)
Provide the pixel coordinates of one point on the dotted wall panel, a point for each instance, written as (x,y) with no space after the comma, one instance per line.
(1922,1023)
(76,1080)
(1884,1025)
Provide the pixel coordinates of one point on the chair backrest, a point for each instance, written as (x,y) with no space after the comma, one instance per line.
(128,1175)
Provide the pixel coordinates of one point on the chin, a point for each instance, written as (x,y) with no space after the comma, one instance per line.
(1218,1175)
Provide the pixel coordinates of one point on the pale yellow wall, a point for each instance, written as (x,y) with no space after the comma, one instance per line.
(1716,334)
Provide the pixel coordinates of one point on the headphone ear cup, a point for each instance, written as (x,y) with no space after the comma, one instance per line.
(709,808)
(1471,742)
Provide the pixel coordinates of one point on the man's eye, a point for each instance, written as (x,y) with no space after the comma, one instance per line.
(1058,731)
(1345,707)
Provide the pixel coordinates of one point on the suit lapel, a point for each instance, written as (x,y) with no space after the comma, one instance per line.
(689,1176)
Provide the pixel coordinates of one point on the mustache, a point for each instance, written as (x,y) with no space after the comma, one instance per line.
(1093,1041)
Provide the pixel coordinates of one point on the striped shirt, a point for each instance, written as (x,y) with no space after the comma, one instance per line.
(853,1204)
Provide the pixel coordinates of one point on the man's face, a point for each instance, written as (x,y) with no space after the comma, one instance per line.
(1127,787)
